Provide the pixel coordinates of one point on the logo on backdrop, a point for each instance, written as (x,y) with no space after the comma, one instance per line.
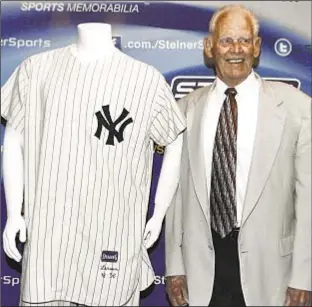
(107,122)
(79,7)
(117,41)
(183,85)
(26,43)
(283,47)
(10,280)
(159,280)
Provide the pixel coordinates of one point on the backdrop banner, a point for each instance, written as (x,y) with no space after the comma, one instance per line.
(166,34)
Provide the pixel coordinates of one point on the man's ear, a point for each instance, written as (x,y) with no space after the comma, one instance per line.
(208,46)
(257,46)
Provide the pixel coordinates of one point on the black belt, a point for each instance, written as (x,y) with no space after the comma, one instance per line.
(232,235)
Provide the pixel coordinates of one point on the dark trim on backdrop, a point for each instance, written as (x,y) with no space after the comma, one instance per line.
(3,121)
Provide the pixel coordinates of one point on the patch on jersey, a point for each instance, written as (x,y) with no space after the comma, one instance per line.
(109,256)
(107,122)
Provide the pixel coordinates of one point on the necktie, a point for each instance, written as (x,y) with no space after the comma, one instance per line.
(223,173)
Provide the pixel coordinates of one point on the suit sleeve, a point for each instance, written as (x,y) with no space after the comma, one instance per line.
(13,97)
(173,221)
(167,119)
(301,266)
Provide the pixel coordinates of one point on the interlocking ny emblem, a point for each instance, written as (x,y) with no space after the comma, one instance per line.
(111,126)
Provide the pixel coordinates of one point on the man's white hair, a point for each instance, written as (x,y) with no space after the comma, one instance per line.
(234,8)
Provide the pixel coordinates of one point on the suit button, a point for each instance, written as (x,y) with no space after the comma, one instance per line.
(243,250)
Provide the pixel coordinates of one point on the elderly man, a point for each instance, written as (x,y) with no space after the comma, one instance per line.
(239,229)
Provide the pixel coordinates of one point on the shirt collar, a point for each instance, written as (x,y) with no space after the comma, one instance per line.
(249,83)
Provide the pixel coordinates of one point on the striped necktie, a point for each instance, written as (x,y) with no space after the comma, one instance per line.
(223,173)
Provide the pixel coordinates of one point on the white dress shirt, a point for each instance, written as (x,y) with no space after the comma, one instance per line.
(247,104)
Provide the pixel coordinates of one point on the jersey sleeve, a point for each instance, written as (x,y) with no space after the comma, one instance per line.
(167,119)
(13,97)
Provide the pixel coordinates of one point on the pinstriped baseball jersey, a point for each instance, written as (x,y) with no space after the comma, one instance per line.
(88,146)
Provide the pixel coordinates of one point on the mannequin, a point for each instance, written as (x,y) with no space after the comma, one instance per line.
(167,185)
(94,43)
(13,179)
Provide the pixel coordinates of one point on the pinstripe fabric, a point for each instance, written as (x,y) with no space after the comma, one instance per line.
(52,303)
(84,196)
(223,173)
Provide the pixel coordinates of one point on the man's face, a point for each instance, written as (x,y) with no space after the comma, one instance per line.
(233,47)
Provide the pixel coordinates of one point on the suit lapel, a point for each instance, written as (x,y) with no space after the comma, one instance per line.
(197,150)
(270,125)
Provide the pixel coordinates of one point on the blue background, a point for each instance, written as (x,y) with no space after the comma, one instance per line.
(153,23)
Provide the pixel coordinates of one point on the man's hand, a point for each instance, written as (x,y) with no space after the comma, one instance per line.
(176,288)
(298,297)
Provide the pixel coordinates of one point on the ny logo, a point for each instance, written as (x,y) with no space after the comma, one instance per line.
(111,126)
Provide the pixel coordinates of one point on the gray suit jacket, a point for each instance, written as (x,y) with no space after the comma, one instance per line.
(275,238)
